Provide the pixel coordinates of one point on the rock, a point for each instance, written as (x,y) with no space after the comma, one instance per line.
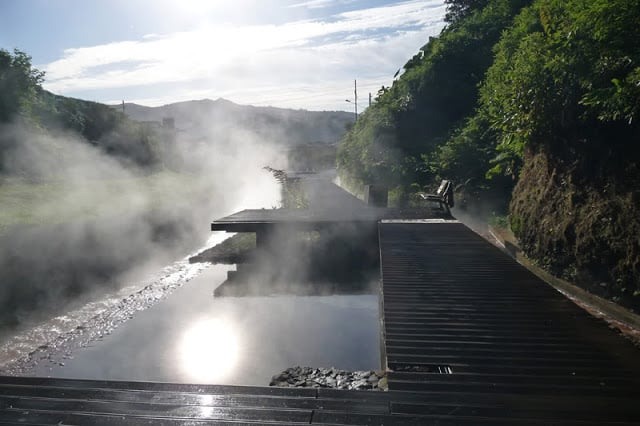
(382,384)
(329,378)
(360,385)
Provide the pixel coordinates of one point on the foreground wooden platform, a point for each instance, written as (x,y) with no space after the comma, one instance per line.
(478,335)
(26,400)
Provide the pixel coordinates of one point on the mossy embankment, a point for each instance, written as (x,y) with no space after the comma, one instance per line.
(235,249)
(582,229)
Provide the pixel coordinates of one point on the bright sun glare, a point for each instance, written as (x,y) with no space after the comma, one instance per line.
(200,7)
(208,351)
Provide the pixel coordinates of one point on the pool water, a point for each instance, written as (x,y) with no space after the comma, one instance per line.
(196,338)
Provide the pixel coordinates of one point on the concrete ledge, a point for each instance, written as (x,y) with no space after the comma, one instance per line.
(593,303)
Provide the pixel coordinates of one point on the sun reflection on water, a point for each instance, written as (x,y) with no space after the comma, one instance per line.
(208,351)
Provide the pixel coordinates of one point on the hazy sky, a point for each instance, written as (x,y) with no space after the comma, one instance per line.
(287,53)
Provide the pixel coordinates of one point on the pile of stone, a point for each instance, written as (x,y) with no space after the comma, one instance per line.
(308,377)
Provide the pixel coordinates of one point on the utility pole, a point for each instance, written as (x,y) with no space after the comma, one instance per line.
(355,94)
(355,97)
(369,98)
(123,106)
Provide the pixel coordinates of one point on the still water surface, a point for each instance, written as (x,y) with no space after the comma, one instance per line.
(193,337)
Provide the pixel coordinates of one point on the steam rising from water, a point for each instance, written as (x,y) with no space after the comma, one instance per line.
(115,222)
(86,221)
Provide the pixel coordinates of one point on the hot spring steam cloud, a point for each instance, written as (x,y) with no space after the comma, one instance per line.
(84,219)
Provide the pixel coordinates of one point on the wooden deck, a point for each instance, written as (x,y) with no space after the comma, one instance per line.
(299,219)
(480,336)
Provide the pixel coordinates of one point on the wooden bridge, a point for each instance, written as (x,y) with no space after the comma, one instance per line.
(469,336)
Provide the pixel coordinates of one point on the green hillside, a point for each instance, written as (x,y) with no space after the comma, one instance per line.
(531,108)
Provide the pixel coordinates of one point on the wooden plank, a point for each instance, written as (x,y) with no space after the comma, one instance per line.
(39,417)
(188,399)
(157,386)
(525,412)
(578,380)
(157,410)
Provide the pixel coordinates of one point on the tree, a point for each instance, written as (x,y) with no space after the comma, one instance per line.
(566,77)
(396,140)
(19,84)
(459,9)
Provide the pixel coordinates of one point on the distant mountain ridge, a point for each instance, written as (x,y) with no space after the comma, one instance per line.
(206,117)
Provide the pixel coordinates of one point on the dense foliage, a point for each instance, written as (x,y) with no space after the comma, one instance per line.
(19,83)
(458,9)
(535,103)
(566,77)
(397,139)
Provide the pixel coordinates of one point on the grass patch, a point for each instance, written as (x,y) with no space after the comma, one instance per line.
(498,221)
(53,202)
(235,249)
